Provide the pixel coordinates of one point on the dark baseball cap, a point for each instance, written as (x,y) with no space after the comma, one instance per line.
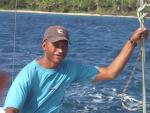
(56,33)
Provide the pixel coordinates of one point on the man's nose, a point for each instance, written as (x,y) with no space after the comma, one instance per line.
(60,50)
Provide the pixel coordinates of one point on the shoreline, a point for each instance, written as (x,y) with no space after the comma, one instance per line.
(62,13)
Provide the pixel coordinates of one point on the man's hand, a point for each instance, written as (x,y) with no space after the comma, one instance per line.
(139,35)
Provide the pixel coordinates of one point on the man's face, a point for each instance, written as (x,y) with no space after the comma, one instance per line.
(56,51)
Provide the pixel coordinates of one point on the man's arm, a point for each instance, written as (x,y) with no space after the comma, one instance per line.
(117,65)
(12,110)
(17,93)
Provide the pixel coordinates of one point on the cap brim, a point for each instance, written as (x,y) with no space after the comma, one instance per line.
(57,39)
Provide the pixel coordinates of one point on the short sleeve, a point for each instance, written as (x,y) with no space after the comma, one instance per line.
(84,72)
(18,91)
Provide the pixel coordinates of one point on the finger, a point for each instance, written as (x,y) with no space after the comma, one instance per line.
(144,34)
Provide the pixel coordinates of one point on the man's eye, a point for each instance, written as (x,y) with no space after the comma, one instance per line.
(56,45)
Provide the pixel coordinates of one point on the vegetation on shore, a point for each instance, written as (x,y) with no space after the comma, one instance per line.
(102,7)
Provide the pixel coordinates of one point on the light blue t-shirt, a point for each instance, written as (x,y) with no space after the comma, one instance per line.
(40,90)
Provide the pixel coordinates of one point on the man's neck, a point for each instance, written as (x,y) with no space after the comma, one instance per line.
(44,62)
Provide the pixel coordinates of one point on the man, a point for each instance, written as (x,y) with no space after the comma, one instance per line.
(40,86)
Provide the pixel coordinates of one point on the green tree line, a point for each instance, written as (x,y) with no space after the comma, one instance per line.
(123,7)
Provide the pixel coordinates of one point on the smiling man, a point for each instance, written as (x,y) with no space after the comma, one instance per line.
(40,86)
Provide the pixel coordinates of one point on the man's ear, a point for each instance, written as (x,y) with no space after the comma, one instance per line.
(43,45)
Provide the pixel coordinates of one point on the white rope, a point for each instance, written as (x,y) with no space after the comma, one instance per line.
(141,14)
(141,17)
(143,78)
(14,42)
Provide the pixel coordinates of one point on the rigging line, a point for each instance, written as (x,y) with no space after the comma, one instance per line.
(141,14)
(132,73)
(122,95)
(143,60)
(14,42)
(141,20)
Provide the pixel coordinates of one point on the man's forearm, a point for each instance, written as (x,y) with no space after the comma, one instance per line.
(120,61)
(117,65)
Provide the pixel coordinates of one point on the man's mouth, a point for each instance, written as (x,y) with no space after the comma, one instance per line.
(59,55)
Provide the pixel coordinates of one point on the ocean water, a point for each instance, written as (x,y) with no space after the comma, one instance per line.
(95,40)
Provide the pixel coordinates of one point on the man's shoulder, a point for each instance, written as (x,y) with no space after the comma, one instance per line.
(30,67)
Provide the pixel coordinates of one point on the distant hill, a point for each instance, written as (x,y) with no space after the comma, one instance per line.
(102,7)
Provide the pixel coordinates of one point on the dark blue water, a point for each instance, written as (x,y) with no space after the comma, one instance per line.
(94,41)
